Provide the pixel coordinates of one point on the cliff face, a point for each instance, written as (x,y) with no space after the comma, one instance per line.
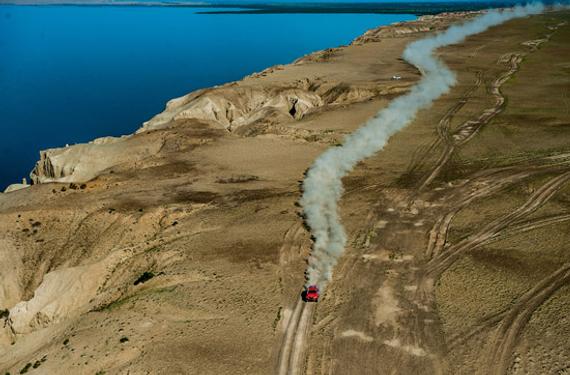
(422,25)
(83,162)
(247,108)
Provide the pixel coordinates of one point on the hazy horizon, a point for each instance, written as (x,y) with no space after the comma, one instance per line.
(250,2)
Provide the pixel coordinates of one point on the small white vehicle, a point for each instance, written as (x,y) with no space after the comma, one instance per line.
(396,77)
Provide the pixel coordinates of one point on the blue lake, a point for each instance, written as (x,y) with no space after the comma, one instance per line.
(69,74)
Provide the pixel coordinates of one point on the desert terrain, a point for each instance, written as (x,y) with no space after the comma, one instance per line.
(181,249)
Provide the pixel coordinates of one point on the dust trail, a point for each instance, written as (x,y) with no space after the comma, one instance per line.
(322,187)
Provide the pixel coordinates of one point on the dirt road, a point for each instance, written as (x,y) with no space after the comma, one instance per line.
(292,355)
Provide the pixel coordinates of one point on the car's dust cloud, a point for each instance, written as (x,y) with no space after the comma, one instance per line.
(322,187)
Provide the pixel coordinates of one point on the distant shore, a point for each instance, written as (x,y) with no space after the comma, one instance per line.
(418,9)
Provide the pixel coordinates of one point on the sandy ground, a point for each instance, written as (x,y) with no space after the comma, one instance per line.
(190,259)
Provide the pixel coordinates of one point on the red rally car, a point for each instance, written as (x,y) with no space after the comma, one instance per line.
(311,294)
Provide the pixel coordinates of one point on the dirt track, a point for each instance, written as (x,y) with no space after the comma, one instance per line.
(440,263)
(464,132)
(292,354)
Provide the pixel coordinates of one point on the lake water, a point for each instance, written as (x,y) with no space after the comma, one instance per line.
(70,74)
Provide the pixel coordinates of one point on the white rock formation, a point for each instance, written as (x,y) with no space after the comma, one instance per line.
(10,266)
(62,294)
(83,162)
(15,187)
(232,107)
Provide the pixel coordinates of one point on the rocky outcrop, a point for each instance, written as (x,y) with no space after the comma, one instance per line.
(234,106)
(319,56)
(83,162)
(422,25)
(62,294)
(230,107)
(15,187)
(10,264)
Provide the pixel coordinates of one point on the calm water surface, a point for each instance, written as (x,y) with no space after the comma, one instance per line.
(71,74)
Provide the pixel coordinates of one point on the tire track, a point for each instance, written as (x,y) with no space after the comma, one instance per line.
(505,338)
(490,184)
(437,265)
(444,124)
(494,319)
(297,359)
(529,225)
(288,338)
(467,130)
(291,240)
(501,317)
(292,354)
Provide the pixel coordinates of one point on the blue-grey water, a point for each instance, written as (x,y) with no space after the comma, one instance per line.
(70,74)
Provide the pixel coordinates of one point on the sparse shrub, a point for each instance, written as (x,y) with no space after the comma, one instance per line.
(4,313)
(115,304)
(237,179)
(277,318)
(66,341)
(36,364)
(25,368)
(123,339)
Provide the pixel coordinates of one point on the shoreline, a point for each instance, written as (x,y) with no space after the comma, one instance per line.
(104,139)
(393,30)
(167,89)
